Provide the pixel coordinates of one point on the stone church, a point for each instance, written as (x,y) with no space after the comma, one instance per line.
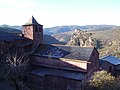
(54,67)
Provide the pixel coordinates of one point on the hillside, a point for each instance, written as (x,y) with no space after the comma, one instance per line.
(106,41)
(9,30)
(47,39)
(13,27)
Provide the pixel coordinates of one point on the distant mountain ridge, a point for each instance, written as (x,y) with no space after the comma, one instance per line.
(9,29)
(14,27)
(62,29)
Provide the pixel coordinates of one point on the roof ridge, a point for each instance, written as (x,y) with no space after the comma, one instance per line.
(105,56)
(70,46)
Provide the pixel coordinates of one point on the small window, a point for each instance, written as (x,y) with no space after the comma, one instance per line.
(110,69)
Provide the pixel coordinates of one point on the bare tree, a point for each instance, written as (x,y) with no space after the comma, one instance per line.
(13,65)
(16,67)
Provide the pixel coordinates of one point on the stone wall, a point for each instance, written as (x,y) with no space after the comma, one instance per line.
(107,66)
(60,63)
(28,32)
(93,66)
(34,32)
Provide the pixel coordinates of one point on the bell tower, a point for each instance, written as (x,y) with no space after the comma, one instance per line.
(34,31)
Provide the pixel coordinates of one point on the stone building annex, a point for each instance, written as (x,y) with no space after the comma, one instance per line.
(54,67)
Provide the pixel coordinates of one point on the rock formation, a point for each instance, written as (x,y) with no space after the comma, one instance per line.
(81,38)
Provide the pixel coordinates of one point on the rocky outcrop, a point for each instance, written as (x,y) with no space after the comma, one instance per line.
(81,38)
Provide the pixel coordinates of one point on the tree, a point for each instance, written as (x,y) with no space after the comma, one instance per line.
(103,81)
(15,68)
(13,65)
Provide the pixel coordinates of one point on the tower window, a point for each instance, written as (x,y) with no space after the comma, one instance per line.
(39,29)
(36,29)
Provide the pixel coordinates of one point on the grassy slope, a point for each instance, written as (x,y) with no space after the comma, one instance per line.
(109,40)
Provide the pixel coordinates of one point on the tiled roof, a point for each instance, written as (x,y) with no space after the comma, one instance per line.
(59,73)
(32,21)
(111,59)
(62,51)
(4,36)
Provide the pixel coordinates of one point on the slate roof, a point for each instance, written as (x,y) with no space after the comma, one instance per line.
(63,51)
(111,59)
(32,21)
(4,36)
(59,73)
(25,43)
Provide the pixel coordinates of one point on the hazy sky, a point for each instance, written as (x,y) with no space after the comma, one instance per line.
(60,12)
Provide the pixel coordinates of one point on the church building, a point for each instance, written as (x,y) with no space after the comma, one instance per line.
(54,67)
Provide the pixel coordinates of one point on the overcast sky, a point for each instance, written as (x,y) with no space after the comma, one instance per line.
(60,12)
